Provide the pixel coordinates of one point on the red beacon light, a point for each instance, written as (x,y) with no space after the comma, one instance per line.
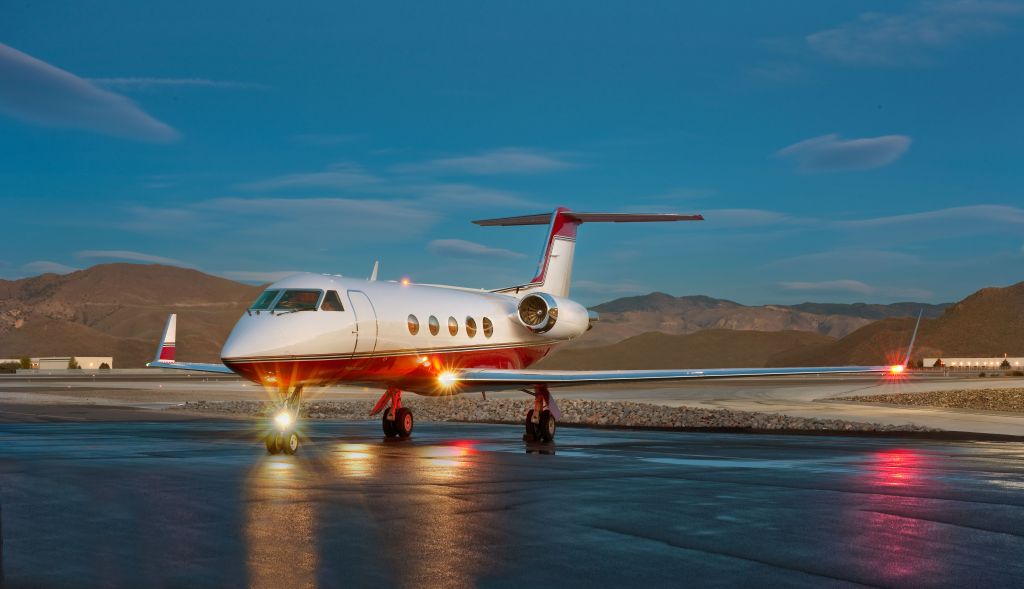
(896,369)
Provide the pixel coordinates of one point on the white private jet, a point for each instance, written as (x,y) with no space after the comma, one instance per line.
(318,329)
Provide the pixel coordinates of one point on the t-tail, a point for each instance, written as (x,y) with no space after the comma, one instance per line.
(554,270)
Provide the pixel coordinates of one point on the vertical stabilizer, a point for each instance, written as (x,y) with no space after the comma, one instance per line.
(165,352)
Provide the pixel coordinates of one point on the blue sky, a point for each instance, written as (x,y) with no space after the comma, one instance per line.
(840,151)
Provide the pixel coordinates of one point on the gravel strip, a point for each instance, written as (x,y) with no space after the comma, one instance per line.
(574,411)
(984,399)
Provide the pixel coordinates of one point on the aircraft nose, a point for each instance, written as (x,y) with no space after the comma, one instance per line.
(252,336)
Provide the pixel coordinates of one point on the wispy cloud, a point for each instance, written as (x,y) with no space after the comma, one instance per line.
(258,277)
(620,287)
(343,175)
(469,194)
(727,218)
(145,84)
(36,92)
(459,248)
(843,257)
(902,39)
(969,215)
(509,160)
(47,267)
(847,286)
(778,72)
(829,153)
(830,286)
(129,255)
(323,138)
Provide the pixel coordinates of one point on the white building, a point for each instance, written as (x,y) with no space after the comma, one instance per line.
(976,363)
(61,362)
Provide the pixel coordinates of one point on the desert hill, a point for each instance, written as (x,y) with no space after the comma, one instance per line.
(990,322)
(629,316)
(119,310)
(712,348)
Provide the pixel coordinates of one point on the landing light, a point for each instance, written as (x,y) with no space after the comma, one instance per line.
(896,369)
(283,419)
(447,378)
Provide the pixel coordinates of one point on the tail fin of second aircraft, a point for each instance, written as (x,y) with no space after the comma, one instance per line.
(165,352)
(554,270)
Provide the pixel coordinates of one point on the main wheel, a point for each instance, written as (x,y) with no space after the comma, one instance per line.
(547,426)
(271,441)
(289,442)
(532,429)
(389,426)
(403,423)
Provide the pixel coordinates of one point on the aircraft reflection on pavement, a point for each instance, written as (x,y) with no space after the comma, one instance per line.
(434,547)
(280,525)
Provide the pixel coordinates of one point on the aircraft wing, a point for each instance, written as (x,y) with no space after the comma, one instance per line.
(165,353)
(481,378)
(193,366)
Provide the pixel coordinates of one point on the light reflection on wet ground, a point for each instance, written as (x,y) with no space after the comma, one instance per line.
(200,504)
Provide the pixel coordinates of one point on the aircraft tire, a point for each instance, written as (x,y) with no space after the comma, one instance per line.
(271,441)
(389,426)
(403,423)
(532,429)
(547,426)
(289,442)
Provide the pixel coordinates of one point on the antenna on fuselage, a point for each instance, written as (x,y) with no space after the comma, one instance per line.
(373,275)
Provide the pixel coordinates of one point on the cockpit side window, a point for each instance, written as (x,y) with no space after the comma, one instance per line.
(298,300)
(332,302)
(264,300)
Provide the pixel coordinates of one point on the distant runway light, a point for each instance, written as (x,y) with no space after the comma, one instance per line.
(896,369)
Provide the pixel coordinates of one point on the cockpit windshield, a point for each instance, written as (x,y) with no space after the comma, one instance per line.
(298,300)
(263,302)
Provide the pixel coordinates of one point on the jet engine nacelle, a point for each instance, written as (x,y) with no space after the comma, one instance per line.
(554,317)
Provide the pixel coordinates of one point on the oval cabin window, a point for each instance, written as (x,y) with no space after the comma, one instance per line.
(453,326)
(488,327)
(433,325)
(414,325)
(470,326)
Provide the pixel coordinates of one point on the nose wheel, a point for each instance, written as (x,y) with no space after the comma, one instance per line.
(282,442)
(283,437)
(396,421)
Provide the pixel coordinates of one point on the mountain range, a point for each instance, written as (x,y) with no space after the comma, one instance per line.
(120,309)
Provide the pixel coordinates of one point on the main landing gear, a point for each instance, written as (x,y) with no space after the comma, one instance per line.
(282,437)
(396,420)
(541,420)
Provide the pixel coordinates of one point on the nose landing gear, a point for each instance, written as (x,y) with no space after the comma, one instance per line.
(396,420)
(283,437)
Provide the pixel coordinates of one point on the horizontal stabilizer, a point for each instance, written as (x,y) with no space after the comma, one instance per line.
(545,218)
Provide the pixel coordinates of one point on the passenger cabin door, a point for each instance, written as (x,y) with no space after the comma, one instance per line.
(365,328)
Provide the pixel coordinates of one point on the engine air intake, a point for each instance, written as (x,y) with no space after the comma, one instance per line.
(538,312)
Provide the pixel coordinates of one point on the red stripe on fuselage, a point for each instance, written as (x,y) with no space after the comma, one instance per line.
(409,372)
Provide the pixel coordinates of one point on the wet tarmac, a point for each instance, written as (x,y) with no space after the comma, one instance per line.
(200,504)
